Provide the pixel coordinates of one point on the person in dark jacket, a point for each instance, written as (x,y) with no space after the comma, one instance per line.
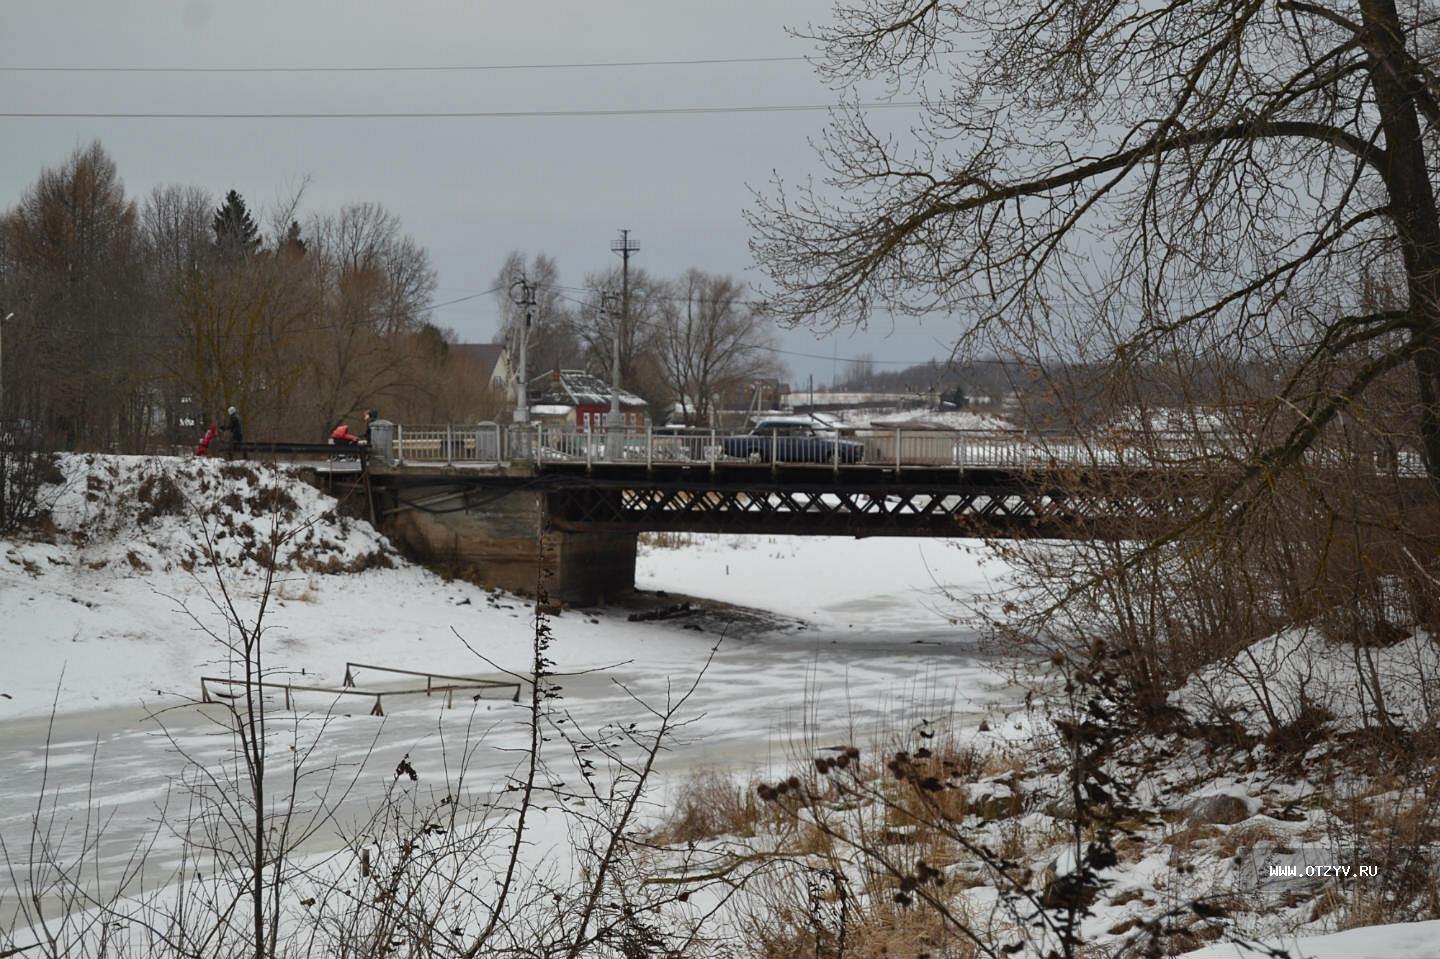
(370,417)
(236,436)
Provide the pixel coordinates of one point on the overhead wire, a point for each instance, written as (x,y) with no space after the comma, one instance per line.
(404,68)
(768,349)
(450,114)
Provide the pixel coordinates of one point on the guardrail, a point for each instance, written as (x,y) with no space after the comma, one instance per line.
(211,687)
(542,445)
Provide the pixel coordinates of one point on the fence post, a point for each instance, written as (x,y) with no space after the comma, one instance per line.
(649,445)
(399,443)
(589,450)
(835,451)
(710,453)
(897,451)
(449,444)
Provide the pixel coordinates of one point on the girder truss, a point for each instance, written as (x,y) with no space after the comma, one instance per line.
(1009,509)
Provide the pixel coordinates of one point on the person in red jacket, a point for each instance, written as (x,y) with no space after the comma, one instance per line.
(204,448)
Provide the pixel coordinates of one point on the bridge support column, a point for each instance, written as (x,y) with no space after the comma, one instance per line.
(507,542)
(591,567)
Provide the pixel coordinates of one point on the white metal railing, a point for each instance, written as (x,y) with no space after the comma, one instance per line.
(488,443)
(451,443)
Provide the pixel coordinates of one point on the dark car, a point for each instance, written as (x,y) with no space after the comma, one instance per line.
(791,441)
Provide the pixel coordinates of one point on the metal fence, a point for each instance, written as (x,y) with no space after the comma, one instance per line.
(480,443)
(899,449)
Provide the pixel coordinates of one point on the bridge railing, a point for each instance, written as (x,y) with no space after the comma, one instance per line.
(896,448)
(449,443)
(546,444)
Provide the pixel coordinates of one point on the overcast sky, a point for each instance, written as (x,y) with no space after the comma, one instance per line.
(468,189)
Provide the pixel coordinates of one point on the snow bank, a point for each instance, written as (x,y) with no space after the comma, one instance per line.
(110,607)
(1278,679)
(136,514)
(1411,940)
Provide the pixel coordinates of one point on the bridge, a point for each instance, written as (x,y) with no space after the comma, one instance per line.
(561,510)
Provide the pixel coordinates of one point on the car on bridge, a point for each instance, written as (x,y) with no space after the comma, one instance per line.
(791,441)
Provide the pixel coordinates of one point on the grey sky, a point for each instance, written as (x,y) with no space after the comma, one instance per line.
(469,189)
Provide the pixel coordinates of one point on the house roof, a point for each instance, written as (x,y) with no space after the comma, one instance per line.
(485,356)
(577,388)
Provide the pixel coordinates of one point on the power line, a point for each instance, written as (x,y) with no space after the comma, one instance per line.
(445,68)
(458,114)
(653,325)
(462,299)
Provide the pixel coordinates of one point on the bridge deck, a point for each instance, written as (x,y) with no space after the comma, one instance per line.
(934,483)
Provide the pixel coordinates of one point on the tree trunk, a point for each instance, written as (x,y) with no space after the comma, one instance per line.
(1413,208)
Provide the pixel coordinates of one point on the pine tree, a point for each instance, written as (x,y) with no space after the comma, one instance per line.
(292,244)
(236,235)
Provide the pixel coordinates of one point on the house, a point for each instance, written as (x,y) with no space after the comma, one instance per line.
(762,394)
(489,360)
(588,396)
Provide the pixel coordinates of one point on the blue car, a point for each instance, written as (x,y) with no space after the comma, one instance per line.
(791,441)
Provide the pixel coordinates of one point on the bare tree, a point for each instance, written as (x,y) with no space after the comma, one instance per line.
(377,285)
(638,332)
(176,224)
(1123,180)
(551,342)
(859,371)
(712,339)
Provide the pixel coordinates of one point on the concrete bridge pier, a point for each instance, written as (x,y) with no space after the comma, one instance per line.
(504,538)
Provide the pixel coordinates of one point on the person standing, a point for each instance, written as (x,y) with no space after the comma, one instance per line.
(236,435)
(370,417)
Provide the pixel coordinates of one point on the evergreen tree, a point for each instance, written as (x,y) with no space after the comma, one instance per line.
(235,232)
(293,244)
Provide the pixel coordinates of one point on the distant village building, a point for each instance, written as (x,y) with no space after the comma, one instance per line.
(489,361)
(589,398)
(765,394)
(832,400)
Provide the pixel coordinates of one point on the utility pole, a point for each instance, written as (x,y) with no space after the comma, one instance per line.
(614,423)
(522,294)
(8,318)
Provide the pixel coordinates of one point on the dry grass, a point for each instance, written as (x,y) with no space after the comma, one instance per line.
(710,804)
(805,918)
(161,498)
(664,540)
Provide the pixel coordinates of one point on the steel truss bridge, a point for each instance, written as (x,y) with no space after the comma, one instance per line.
(907,483)
(980,502)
